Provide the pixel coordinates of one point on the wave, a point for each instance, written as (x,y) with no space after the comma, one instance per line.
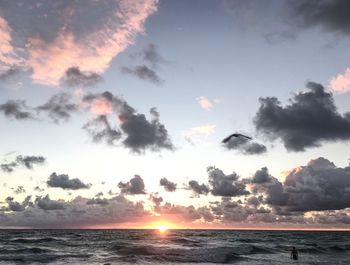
(35,240)
(186,241)
(42,257)
(34,250)
(195,255)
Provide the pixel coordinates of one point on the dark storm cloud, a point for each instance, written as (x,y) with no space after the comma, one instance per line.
(261,176)
(310,119)
(100,130)
(333,16)
(168,185)
(139,133)
(16,109)
(30,161)
(74,77)
(332,217)
(143,134)
(245,146)
(16,206)
(143,72)
(225,185)
(63,181)
(253,200)
(59,107)
(132,187)
(198,188)
(319,185)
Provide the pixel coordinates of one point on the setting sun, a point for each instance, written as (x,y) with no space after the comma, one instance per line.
(162,229)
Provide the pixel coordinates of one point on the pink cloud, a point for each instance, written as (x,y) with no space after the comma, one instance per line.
(204,102)
(7,53)
(101,107)
(199,133)
(341,83)
(92,52)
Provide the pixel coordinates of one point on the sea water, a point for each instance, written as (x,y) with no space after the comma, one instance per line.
(172,247)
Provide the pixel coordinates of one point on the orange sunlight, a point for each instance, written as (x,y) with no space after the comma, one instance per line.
(161,226)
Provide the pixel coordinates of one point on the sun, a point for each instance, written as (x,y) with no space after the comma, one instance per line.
(162,229)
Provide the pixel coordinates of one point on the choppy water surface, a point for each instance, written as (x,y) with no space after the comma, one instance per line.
(173,247)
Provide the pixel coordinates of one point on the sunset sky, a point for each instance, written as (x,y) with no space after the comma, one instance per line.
(112,114)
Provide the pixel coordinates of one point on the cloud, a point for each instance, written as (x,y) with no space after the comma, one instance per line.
(230,211)
(204,102)
(97,201)
(8,167)
(327,15)
(319,185)
(16,109)
(143,72)
(100,130)
(132,187)
(9,73)
(30,161)
(76,78)
(310,119)
(138,133)
(8,57)
(38,189)
(75,213)
(59,107)
(261,176)
(245,146)
(26,161)
(151,59)
(54,39)
(184,214)
(143,134)
(332,217)
(151,55)
(19,190)
(225,185)
(341,83)
(195,134)
(168,185)
(16,206)
(63,181)
(156,200)
(45,203)
(197,188)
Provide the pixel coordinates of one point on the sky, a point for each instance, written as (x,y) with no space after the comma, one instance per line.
(113,113)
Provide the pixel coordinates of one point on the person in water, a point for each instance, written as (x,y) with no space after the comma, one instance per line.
(294,254)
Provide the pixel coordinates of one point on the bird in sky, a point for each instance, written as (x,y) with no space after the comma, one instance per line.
(236,135)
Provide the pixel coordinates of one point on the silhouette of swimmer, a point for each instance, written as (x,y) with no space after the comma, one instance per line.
(294,254)
(235,135)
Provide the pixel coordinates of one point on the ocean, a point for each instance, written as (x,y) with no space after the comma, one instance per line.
(172,247)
